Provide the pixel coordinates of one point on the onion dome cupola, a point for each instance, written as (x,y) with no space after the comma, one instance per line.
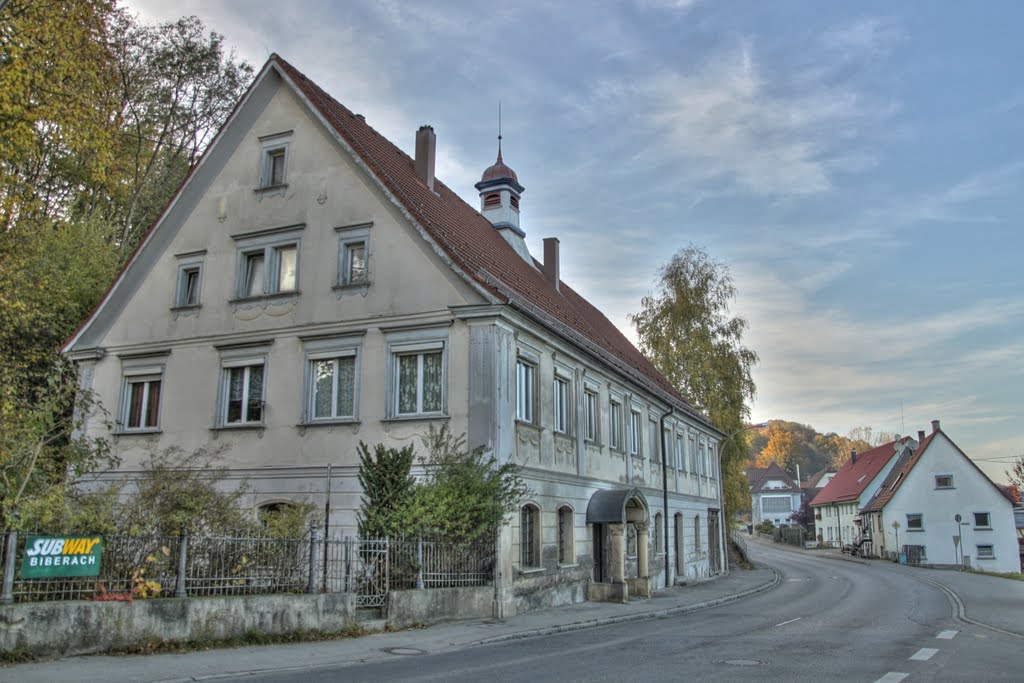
(499,202)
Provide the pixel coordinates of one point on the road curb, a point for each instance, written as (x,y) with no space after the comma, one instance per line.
(961,608)
(635,616)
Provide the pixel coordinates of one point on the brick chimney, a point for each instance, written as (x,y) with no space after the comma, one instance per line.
(853,456)
(550,268)
(920,435)
(426,151)
(935,426)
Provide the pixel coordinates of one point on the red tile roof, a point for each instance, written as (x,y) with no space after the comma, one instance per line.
(477,249)
(853,477)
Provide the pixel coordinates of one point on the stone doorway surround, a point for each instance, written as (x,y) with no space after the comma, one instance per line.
(612,510)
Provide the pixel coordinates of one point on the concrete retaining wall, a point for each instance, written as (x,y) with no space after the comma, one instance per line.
(66,628)
(406,608)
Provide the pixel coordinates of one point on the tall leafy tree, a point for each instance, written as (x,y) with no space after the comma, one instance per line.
(686,329)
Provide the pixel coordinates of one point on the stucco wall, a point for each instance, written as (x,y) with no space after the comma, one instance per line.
(67,628)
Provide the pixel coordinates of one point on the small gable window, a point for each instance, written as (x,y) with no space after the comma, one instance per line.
(189,279)
(268,262)
(943,481)
(274,160)
(353,255)
(982,520)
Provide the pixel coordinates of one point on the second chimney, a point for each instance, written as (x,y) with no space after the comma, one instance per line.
(550,268)
(426,150)
(935,426)
(853,456)
(920,435)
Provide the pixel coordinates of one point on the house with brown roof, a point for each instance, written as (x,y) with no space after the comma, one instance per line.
(936,507)
(837,506)
(311,286)
(774,495)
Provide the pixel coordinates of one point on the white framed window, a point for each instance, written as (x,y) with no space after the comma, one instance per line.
(943,481)
(529,536)
(635,427)
(268,262)
(680,453)
(418,374)
(712,461)
(526,391)
(243,394)
(141,392)
(332,380)
(566,536)
(692,450)
(590,415)
(652,440)
(985,552)
(982,520)
(354,255)
(615,424)
(702,459)
(189,280)
(915,522)
(274,159)
(560,405)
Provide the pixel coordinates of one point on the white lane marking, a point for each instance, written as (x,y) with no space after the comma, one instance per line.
(947,635)
(789,622)
(924,654)
(892,677)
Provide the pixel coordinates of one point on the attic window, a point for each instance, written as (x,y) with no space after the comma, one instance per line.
(492,200)
(274,162)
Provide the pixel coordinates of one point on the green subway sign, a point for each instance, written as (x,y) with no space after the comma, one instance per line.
(47,556)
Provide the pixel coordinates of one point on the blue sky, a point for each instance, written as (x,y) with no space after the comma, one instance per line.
(859,165)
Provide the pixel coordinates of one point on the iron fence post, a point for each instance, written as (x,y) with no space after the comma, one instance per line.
(419,563)
(9,565)
(311,585)
(179,590)
(347,584)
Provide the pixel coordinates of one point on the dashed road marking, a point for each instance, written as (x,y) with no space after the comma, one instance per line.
(947,635)
(789,622)
(924,654)
(892,677)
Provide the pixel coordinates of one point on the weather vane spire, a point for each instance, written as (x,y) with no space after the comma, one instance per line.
(499,130)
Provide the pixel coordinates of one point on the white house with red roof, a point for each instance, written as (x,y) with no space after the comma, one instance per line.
(311,286)
(837,506)
(936,507)
(774,495)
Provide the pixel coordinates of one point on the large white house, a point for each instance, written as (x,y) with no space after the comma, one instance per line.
(938,508)
(311,286)
(774,495)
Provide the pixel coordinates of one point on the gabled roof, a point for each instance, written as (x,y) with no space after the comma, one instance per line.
(475,250)
(853,477)
(754,475)
(898,475)
(812,481)
(773,471)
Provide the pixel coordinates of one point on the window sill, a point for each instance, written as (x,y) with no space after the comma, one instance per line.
(982,559)
(263,298)
(531,425)
(335,422)
(416,418)
(574,565)
(346,286)
(530,570)
(137,432)
(915,531)
(186,308)
(983,528)
(246,426)
(270,188)
(945,488)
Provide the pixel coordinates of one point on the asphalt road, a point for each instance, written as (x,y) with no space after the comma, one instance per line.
(827,620)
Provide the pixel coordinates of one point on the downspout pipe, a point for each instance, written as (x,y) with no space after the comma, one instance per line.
(664,490)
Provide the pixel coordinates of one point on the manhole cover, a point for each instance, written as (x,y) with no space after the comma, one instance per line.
(741,662)
(403,651)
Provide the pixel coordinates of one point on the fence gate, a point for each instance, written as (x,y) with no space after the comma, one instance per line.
(370,573)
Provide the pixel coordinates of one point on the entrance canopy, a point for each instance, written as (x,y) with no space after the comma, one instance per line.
(609,507)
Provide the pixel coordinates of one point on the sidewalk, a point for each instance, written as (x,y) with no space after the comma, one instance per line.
(211,664)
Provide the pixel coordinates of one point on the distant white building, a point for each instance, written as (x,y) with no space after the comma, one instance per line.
(937,507)
(774,496)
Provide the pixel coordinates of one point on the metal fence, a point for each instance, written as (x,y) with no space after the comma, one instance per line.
(135,567)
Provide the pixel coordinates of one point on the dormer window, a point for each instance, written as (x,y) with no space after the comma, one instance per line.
(274,159)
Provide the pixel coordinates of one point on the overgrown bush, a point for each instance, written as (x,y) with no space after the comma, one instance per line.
(766,527)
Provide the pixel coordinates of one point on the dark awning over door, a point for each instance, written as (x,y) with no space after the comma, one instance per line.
(609,507)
